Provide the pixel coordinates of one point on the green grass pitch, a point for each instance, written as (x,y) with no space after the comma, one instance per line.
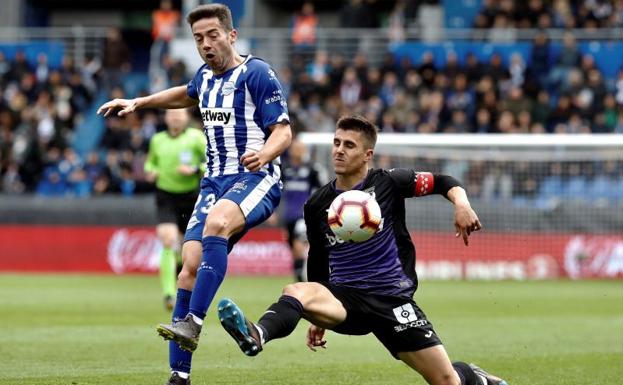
(78,330)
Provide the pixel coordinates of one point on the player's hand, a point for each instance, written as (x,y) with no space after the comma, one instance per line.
(125,107)
(151,176)
(187,170)
(465,222)
(252,161)
(315,338)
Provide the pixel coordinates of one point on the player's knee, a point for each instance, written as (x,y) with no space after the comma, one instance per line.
(167,236)
(216,226)
(186,279)
(169,240)
(445,378)
(297,290)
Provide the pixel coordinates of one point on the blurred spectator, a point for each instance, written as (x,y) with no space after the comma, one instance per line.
(350,88)
(116,58)
(304,26)
(539,58)
(164,24)
(397,22)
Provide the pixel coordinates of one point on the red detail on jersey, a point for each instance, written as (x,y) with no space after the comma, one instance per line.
(424,183)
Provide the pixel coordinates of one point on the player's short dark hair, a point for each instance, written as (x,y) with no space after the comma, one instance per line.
(360,124)
(206,11)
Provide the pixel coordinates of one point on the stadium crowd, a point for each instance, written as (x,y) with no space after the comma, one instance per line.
(40,106)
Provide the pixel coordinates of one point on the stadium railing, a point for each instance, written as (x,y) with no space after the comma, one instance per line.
(77,41)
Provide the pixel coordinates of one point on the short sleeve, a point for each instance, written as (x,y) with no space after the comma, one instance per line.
(192,88)
(267,95)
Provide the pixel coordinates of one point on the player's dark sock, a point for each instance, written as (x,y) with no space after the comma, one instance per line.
(210,274)
(299,266)
(281,318)
(466,374)
(179,359)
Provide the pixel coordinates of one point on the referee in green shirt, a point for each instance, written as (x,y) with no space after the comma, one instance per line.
(175,162)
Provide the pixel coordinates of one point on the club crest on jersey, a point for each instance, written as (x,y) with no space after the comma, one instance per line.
(228,88)
(370,190)
(218,116)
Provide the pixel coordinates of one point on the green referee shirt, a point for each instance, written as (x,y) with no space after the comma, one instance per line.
(167,153)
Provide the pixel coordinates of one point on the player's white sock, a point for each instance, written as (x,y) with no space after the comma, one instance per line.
(261,333)
(483,379)
(197,320)
(181,374)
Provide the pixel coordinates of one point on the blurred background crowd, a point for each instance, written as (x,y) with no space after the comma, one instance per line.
(546,87)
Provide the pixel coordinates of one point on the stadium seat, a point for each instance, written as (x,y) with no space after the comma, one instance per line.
(551,187)
(601,190)
(576,188)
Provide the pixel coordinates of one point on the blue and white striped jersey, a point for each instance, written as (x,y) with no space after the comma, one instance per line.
(237,109)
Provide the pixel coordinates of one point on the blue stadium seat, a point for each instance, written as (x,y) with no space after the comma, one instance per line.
(617,192)
(576,188)
(601,189)
(551,187)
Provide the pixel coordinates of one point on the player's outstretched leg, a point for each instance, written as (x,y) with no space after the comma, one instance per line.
(175,379)
(243,331)
(184,332)
(486,378)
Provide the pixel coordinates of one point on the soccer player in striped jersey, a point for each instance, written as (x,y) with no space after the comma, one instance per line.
(246,122)
(367,287)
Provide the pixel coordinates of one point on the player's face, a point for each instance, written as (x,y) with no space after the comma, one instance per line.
(214,43)
(350,152)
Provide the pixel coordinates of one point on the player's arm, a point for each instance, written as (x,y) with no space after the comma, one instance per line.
(465,218)
(317,257)
(279,139)
(174,97)
(269,99)
(411,183)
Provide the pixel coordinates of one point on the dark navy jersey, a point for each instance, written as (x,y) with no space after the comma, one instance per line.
(384,264)
(299,183)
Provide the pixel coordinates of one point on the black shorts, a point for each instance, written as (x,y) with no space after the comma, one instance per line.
(296,230)
(175,208)
(398,323)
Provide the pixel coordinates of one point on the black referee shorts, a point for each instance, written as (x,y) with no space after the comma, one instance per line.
(175,207)
(398,323)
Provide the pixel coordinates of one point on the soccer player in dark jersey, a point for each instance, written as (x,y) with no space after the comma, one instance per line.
(300,179)
(367,287)
(246,122)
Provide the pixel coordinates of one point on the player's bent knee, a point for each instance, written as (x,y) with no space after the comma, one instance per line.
(218,226)
(186,278)
(305,292)
(445,379)
(297,290)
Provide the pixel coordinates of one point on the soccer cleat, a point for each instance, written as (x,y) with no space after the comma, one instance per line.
(175,379)
(184,332)
(242,330)
(488,379)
